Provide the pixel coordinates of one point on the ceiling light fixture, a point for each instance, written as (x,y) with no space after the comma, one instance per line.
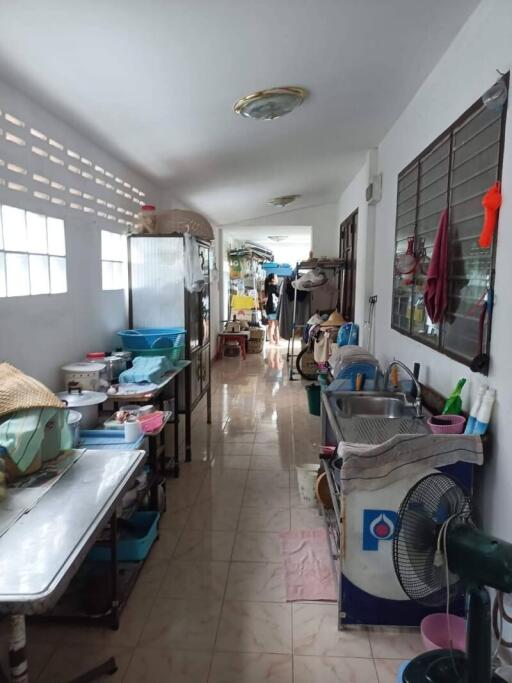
(270,104)
(277,238)
(283,201)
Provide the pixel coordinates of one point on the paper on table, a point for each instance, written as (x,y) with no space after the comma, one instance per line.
(27,491)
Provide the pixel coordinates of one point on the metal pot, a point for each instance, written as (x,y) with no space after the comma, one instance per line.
(89,375)
(74,419)
(114,366)
(84,402)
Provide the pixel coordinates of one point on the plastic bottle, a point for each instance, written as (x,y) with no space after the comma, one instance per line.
(453,405)
(475,407)
(484,414)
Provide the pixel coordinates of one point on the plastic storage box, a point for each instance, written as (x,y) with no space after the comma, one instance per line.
(134,547)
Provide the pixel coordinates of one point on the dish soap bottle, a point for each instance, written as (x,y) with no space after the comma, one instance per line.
(453,405)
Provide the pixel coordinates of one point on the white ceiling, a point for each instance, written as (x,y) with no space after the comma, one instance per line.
(155,81)
(295,234)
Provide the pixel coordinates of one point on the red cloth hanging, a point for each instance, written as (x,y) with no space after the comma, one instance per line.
(491,202)
(436,289)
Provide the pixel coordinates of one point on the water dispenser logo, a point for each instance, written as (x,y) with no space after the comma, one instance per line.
(378,525)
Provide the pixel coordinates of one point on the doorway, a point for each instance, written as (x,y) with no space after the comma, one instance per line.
(348,251)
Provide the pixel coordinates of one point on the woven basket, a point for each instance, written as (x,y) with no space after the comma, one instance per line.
(21,392)
(177,220)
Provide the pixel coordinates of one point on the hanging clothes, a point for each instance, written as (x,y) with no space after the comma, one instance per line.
(285,308)
(436,290)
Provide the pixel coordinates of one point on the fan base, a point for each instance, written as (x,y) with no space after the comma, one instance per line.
(437,666)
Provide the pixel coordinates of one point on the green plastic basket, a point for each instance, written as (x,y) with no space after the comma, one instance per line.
(175,353)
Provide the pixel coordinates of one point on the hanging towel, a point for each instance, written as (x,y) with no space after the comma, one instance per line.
(436,289)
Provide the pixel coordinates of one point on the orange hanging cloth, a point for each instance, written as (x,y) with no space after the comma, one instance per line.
(491,202)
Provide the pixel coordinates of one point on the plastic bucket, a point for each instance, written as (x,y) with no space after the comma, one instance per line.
(436,634)
(446,424)
(313,393)
(306,481)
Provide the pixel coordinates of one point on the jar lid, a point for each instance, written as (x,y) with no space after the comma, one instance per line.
(84,366)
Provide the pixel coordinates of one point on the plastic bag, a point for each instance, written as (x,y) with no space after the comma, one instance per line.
(194,276)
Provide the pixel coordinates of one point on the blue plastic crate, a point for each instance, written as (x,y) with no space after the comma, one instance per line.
(153,337)
(131,549)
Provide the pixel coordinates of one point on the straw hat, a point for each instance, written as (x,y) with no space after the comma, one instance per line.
(21,392)
(334,320)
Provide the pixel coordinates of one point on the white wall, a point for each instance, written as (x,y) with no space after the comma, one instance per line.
(466,70)
(38,334)
(323,220)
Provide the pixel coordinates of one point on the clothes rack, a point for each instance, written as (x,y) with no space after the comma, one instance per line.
(334,265)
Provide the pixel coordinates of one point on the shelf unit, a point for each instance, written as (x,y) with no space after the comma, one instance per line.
(334,265)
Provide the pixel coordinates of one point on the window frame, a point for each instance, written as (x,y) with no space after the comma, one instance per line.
(122,261)
(448,134)
(28,253)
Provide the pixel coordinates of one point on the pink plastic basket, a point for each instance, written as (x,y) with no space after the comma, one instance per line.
(151,422)
(452,424)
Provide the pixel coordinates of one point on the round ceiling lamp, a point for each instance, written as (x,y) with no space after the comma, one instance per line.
(270,104)
(283,201)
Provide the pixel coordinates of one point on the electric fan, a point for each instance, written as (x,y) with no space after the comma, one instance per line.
(437,553)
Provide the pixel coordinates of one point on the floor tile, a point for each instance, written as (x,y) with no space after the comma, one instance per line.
(256,581)
(270,497)
(165,545)
(256,546)
(333,670)
(315,632)
(213,516)
(306,518)
(163,666)
(250,668)
(194,580)
(270,462)
(205,545)
(264,519)
(255,627)
(71,661)
(264,478)
(387,670)
(226,462)
(182,624)
(395,645)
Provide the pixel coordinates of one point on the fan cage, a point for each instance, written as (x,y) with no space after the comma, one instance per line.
(427,505)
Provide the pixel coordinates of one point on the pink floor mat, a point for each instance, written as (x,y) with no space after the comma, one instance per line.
(308,569)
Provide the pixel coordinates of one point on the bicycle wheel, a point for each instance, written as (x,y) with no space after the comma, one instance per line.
(305,364)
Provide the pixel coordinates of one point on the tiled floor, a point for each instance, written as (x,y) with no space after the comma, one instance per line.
(210,603)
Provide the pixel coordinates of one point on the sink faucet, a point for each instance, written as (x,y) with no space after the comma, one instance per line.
(417,400)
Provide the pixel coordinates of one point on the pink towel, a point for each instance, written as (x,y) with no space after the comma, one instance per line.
(436,289)
(308,566)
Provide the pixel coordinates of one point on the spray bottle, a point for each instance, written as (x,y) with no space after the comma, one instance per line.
(453,405)
(484,413)
(475,407)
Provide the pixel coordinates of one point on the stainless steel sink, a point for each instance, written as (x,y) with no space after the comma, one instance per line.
(371,416)
(372,404)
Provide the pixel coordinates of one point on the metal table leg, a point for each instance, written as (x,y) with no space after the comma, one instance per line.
(113,571)
(18,663)
(176,427)
(188,414)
